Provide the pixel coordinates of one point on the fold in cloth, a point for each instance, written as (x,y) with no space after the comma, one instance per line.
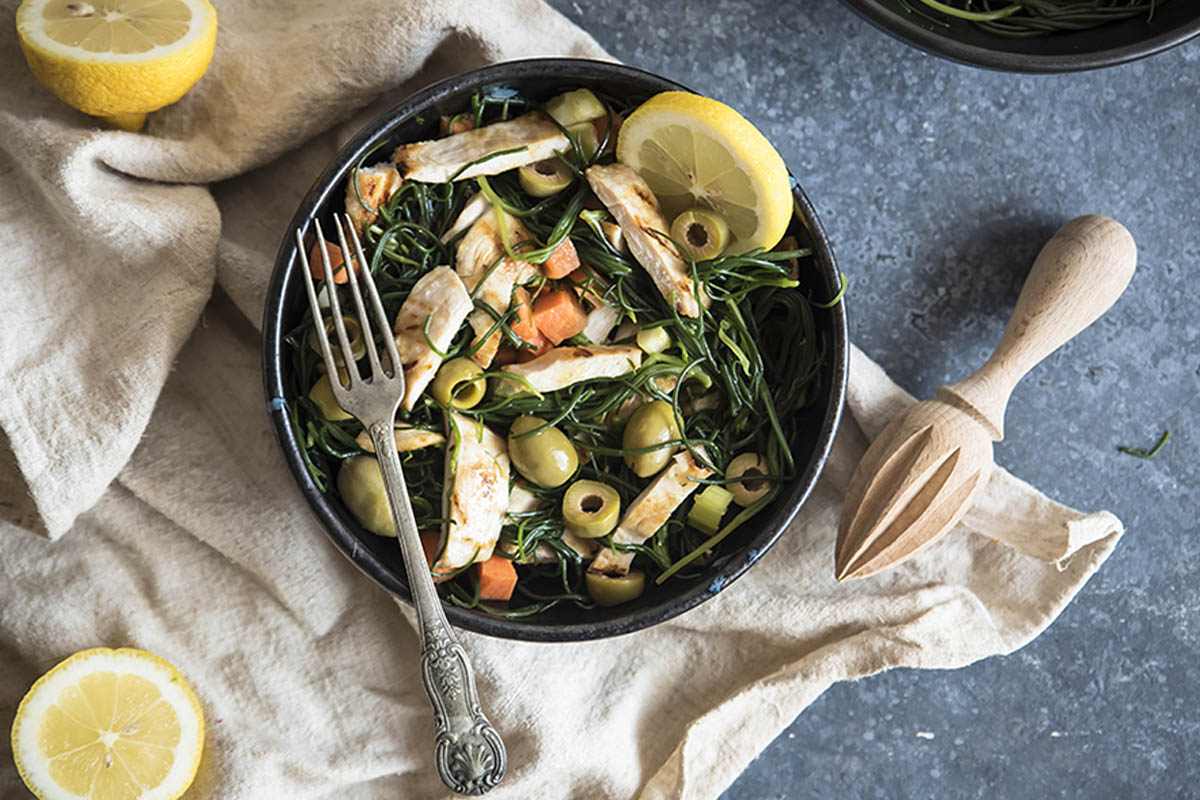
(202,549)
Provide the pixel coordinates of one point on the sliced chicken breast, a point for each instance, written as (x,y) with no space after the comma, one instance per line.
(563,366)
(635,208)
(476,492)
(440,300)
(408,439)
(441,160)
(600,322)
(376,185)
(522,501)
(472,211)
(543,554)
(650,510)
(477,254)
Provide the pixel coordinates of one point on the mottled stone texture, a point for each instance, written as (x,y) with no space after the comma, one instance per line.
(938,184)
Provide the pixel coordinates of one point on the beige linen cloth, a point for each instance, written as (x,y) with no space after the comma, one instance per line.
(137,432)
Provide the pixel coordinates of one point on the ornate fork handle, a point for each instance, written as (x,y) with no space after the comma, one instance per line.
(470,756)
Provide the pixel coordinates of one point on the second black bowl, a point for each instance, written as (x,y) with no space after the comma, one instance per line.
(1107,45)
(416,119)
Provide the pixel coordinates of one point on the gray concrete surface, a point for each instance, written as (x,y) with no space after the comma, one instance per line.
(938,184)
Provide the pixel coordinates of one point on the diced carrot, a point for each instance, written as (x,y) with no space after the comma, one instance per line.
(430,542)
(505,354)
(558,315)
(461,124)
(497,578)
(525,354)
(790,243)
(562,262)
(317,266)
(523,325)
(588,285)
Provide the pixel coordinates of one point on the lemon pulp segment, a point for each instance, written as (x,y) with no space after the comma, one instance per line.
(116,26)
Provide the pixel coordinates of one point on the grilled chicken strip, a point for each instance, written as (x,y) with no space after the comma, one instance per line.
(477,253)
(472,211)
(600,323)
(543,554)
(650,510)
(408,438)
(440,160)
(636,210)
(563,366)
(476,498)
(439,300)
(376,185)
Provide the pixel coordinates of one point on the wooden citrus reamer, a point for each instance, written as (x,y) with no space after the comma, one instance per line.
(921,474)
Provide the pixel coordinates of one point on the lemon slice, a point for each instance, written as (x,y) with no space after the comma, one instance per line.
(117,59)
(109,725)
(695,151)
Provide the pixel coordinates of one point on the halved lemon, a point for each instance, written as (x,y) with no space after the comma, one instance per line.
(696,151)
(118,59)
(109,725)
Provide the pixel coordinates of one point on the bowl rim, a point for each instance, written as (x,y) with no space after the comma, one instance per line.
(901,27)
(570,70)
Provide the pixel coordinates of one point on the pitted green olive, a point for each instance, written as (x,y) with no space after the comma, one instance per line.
(547,457)
(752,487)
(590,508)
(545,178)
(650,425)
(612,590)
(704,233)
(321,393)
(360,484)
(358,346)
(458,383)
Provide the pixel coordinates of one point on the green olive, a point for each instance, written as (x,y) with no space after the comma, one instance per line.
(612,590)
(360,484)
(575,106)
(458,383)
(702,232)
(358,346)
(590,508)
(545,178)
(321,393)
(751,489)
(585,134)
(650,425)
(547,457)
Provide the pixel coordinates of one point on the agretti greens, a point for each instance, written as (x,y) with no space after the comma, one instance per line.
(757,350)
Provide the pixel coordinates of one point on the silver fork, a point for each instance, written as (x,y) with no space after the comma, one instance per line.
(470,756)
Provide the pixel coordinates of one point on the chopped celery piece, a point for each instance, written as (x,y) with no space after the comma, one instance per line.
(709,507)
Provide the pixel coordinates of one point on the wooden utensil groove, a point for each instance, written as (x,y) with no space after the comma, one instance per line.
(921,474)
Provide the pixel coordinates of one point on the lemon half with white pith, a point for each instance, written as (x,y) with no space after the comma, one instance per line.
(109,725)
(696,151)
(117,59)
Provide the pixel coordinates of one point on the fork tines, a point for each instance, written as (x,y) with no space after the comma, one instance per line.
(346,234)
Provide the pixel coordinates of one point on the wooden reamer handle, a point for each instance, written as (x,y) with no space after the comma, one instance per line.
(1076,277)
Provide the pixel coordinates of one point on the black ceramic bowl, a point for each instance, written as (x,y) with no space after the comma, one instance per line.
(416,119)
(1117,43)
